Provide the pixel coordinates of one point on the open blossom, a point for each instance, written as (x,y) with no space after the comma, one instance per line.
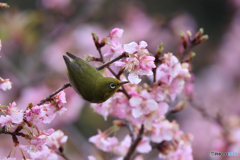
(163,130)
(116,33)
(46,112)
(5,84)
(45,153)
(104,143)
(180,149)
(7,122)
(139,61)
(56,140)
(13,117)
(171,74)
(144,145)
(120,109)
(123,147)
(116,48)
(146,110)
(60,99)
(15,113)
(42,145)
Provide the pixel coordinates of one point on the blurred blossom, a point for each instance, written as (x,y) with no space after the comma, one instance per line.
(82,40)
(55,3)
(46,112)
(103,142)
(52,54)
(91,158)
(12,116)
(139,61)
(5,84)
(56,140)
(183,22)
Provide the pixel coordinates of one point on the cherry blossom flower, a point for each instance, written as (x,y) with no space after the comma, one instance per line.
(172,75)
(115,46)
(146,110)
(162,130)
(139,61)
(142,107)
(15,113)
(12,117)
(46,112)
(123,147)
(181,148)
(116,33)
(35,145)
(91,158)
(5,84)
(7,122)
(60,99)
(115,50)
(56,140)
(104,143)
(45,153)
(120,109)
(144,145)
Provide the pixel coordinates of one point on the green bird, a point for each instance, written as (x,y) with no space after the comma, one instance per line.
(88,82)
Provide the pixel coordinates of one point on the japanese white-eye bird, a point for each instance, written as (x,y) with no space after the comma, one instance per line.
(88,82)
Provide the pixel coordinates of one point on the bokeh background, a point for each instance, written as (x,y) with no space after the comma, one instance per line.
(36,33)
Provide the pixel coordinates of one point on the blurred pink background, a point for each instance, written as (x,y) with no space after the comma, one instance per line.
(35,35)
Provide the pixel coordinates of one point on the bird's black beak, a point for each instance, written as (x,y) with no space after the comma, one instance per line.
(124,82)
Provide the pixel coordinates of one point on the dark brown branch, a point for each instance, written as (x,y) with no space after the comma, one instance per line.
(48,98)
(110,62)
(60,153)
(134,144)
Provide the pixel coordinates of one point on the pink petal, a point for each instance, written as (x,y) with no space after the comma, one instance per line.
(134,78)
(116,33)
(143,44)
(135,101)
(163,107)
(131,48)
(151,104)
(137,112)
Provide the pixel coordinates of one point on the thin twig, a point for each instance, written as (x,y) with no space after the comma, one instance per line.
(130,128)
(134,144)
(110,62)
(48,98)
(100,52)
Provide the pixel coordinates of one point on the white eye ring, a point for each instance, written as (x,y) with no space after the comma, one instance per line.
(112,85)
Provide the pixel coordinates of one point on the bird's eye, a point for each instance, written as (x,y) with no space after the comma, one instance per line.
(112,85)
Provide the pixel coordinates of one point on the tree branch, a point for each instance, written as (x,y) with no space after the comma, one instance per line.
(134,144)
(110,62)
(48,98)
(130,128)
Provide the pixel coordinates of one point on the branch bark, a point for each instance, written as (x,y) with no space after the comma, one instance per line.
(134,144)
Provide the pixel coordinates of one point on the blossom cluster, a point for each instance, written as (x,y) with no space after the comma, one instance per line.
(44,144)
(146,105)
(139,61)
(46,112)
(226,139)
(168,139)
